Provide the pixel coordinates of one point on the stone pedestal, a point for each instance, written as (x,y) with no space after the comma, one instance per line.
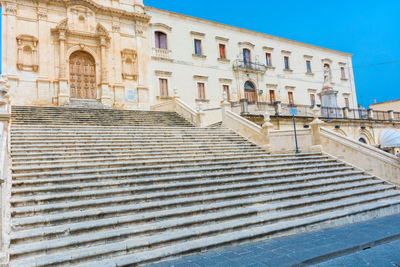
(63,95)
(329,98)
(106,96)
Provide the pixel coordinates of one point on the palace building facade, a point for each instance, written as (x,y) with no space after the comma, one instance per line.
(129,56)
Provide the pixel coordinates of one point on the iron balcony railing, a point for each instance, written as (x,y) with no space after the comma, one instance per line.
(240,64)
(283,109)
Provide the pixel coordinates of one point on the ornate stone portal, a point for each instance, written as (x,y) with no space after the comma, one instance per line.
(57,50)
(82,73)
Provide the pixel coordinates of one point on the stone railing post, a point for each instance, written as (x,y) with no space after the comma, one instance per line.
(200,115)
(278,108)
(225,106)
(346,112)
(316,131)
(244,106)
(391,115)
(266,128)
(370,114)
(174,98)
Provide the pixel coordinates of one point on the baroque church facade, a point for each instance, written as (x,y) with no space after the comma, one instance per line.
(128,56)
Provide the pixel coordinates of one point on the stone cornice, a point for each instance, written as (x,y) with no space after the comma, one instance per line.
(100,9)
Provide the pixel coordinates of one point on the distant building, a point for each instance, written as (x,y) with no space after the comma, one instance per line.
(387,105)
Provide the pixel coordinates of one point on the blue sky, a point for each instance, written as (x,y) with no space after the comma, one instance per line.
(369,29)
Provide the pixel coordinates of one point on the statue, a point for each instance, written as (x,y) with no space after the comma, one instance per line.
(327,74)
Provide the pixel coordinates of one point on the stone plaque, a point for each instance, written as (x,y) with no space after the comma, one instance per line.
(131,94)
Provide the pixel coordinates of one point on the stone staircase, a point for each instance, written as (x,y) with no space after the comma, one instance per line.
(85,103)
(126,188)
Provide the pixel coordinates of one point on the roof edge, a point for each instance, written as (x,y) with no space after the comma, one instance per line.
(149,8)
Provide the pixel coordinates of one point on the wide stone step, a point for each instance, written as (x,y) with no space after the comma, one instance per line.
(181,168)
(228,207)
(188,177)
(133,152)
(123,147)
(131,142)
(23,158)
(27,160)
(122,186)
(239,189)
(164,163)
(228,176)
(71,255)
(284,203)
(224,200)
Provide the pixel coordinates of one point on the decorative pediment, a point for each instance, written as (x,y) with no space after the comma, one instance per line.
(62,25)
(102,31)
(246,44)
(161,26)
(100,9)
(81,18)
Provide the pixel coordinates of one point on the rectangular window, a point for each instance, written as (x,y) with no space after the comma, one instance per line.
(290,96)
(269,61)
(201,90)
(308,64)
(342,70)
(246,56)
(312,99)
(222,51)
(347,102)
(272,96)
(197,47)
(163,87)
(226,91)
(286,60)
(161,40)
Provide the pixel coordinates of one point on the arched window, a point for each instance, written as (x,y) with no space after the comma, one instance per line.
(362,140)
(246,56)
(161,40)
(250,92)
(249,86)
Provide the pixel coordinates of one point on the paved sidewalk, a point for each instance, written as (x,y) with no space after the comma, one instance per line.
(375,236)
(387,255)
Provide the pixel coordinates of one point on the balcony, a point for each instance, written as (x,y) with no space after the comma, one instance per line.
(329,113)
(161,54)
(240,64)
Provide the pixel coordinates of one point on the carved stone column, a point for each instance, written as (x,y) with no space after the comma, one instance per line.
(63,94)
(105,89)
